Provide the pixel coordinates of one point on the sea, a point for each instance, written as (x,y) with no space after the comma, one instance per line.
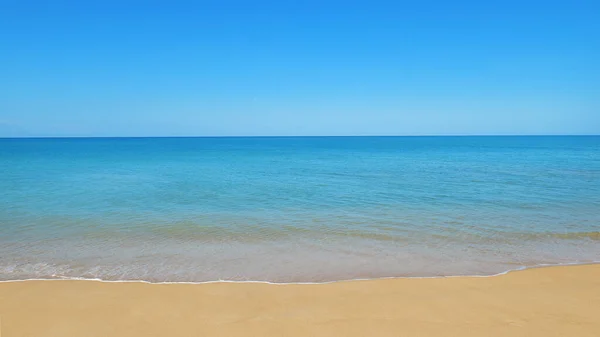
(295,209)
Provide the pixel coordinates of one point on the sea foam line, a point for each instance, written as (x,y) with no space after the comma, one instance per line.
(544,265)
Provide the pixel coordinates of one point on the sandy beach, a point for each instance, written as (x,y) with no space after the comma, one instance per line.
(554,301)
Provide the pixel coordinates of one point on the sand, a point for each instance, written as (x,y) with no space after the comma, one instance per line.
(554,301)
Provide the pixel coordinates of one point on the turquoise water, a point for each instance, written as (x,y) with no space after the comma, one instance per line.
(295,209)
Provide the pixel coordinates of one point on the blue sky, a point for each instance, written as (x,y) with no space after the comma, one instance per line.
(217,68)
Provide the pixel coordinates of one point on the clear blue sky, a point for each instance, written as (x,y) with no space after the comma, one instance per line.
(215,68)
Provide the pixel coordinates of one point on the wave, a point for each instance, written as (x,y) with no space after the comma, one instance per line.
(521,268)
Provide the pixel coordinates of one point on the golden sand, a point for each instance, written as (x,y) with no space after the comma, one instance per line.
(556,301)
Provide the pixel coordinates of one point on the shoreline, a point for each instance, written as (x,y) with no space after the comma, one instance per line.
(522,268)
(543,301)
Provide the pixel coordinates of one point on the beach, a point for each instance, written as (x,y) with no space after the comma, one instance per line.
(300,169)
(551,301)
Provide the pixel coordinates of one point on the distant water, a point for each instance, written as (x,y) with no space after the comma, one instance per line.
(295,209)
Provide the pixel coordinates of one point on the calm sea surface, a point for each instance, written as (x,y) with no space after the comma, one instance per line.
(295,209)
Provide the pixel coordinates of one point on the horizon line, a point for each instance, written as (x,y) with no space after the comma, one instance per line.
(305,136)
(309,136)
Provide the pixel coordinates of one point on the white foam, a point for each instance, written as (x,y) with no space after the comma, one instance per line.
(64,278)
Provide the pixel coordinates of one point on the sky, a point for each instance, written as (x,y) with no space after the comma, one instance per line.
(290,68)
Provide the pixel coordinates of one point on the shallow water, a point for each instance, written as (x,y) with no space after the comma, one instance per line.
(295,209)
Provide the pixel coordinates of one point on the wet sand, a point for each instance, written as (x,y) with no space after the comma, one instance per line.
(555,301)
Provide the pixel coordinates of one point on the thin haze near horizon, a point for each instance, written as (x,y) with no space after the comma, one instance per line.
(240,68)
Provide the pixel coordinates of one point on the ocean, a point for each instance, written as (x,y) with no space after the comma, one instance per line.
(295,209)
